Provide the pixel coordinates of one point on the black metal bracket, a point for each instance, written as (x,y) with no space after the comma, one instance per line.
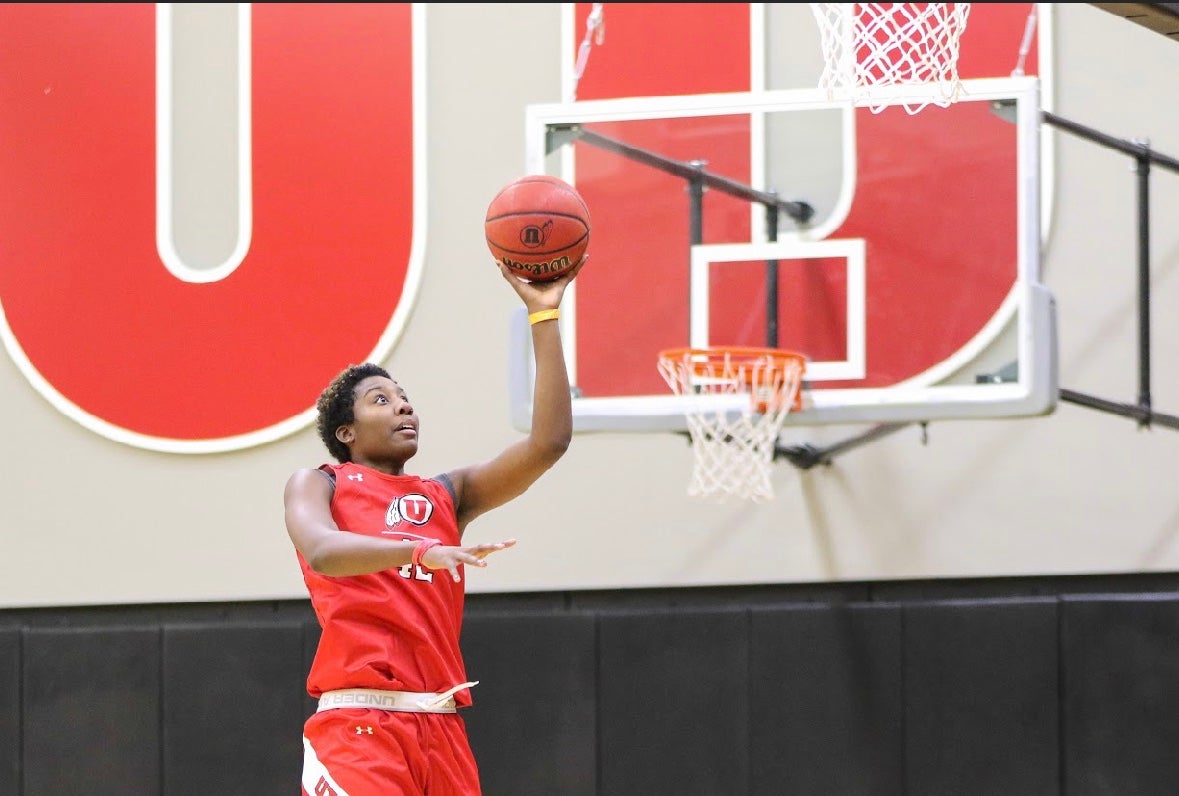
(1144,158)
(692,171)
(806,456)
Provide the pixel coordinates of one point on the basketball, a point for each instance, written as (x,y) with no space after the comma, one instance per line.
(538,226)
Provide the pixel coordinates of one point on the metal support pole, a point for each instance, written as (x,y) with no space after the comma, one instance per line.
(772,280)
(695,221)
(1144,286)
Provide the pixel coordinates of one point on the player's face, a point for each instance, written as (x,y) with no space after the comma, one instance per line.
(385,425)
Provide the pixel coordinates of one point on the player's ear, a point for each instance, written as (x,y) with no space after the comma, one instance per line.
(345,434)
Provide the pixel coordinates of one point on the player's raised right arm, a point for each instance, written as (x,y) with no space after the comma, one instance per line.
(482,487)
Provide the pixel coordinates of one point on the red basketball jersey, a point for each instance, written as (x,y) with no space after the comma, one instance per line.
(397,629)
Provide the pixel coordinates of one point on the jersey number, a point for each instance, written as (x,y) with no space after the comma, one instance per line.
(417,572)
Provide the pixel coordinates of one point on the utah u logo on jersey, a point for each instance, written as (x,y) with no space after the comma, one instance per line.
(414,507)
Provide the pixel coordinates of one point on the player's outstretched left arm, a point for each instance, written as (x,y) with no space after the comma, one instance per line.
(481,487)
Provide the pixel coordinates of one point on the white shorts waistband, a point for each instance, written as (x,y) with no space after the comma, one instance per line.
(377,699)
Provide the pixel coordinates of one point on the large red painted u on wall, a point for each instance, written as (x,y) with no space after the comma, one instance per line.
(88,309)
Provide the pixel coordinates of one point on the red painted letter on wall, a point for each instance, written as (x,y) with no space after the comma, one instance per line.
(88,310)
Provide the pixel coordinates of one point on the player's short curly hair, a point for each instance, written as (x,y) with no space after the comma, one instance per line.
(335,406)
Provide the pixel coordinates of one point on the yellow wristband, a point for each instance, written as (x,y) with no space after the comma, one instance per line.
(543,315)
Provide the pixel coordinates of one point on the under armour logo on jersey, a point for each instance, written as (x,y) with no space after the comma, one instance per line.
(414,507)
(362,730)
(356,477)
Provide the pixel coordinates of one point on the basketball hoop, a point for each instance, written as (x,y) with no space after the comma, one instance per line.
(741,397)
(868,46)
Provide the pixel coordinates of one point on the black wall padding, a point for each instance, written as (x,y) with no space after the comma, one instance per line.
(825,697)
(91,711)
(673,709)
(233,717)
(10,712)
(1121,694)
(532,725)
(981,696)
(1060,687)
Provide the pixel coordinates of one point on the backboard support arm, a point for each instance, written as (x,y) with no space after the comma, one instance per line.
(1144,157)
(696,174)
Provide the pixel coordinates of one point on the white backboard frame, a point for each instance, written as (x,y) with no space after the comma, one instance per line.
(1030,305)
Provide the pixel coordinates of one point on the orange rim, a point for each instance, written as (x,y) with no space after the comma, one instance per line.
(781,358)
(773,360)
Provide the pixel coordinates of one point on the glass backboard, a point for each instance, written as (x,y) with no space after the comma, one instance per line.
(898,252)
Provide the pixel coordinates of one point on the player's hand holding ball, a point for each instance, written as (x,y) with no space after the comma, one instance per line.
(538,227)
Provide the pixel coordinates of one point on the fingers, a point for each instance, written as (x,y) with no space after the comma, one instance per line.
(573,271)
(483,550)
(471,556)
(523,286)
(564,277)
(475,554)
(452,557)
(567,277)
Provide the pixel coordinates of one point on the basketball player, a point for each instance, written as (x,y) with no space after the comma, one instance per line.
(382,555)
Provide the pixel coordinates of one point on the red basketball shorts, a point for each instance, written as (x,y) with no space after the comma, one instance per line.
(360,752)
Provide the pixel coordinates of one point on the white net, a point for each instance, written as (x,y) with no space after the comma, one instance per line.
(734,440)
(869,46)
